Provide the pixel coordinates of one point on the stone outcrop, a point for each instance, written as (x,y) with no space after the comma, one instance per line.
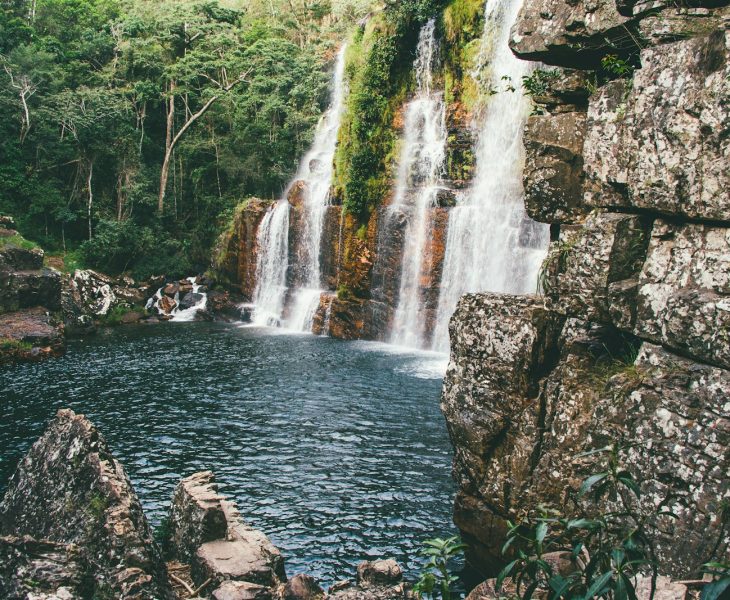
(70,494)
(629,342)
(30,297)
(208,533)
(376,580)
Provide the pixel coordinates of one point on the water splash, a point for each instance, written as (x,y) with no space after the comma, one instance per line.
(420,172)
(314,176)
(491,244)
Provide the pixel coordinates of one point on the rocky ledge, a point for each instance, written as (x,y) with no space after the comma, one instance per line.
(30,300)
(72,528)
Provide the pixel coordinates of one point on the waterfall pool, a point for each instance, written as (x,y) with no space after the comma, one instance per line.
(337,450)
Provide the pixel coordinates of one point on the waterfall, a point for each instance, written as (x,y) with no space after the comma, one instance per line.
(420,172)
(313,177)
(491,244)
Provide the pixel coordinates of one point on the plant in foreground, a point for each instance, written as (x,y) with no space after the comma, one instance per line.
(719,589)
(436,579)
(608,540)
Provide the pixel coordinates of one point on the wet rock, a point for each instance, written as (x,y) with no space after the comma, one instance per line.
(302,587)
(133,316)
(32,569)
(190,299)
(379,573)
(662,144)
(166,304)
(241,590)
(69,489)
(196,514)
(171,289)
(236,251)
(684,291)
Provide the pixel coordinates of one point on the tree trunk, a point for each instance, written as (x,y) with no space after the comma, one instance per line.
(168,149)
(91,195)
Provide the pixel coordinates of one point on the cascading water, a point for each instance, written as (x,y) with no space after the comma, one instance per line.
(491,243)
(315,175)
(419,174)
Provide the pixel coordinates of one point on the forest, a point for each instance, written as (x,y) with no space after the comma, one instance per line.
(131,128)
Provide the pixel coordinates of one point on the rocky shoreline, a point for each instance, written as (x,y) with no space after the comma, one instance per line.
(40,307)
(72,527)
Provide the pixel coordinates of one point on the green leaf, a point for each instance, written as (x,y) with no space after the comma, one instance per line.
(599,585)
(716,589)
(626,478)
(595,451)
(541,532)
(506,572)
(590,482)
(589,524)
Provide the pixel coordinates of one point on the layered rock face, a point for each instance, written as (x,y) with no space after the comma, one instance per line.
(628,342)
(235,254)
(30,298)
(71,499)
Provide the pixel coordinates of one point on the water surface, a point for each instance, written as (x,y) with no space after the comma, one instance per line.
(337,450)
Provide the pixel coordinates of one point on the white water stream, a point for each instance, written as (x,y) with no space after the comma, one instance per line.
(491,243)
(315,173)
(420,171)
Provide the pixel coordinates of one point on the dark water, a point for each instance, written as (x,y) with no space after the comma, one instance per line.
(337,450)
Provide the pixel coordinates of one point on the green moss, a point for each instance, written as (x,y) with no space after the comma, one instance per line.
(343,292)
(378,66)
(463,22)
(362,232)
(8,345)
(97,506)
(115,315)
(18,241)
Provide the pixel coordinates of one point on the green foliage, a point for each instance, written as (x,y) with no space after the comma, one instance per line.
(8,345)
(380,73)
(97,506)
(115,315)
(18,241)
(614,65)
(163,536)
(436,579)
(538,82)
(343,292)
(609,539)
(85,88)
(720,586)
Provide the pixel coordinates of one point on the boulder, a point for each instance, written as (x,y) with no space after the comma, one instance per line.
(662,143)
(241,590)
(302,587)
(575,34)
(166,304)
(208,532)
(16,258)
(500,345)
(190,299)
(196,515)
(39,570)
(69,489)
(24,289)
(684,291)
(383,572)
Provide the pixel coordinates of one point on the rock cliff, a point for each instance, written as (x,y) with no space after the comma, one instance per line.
(628,341)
